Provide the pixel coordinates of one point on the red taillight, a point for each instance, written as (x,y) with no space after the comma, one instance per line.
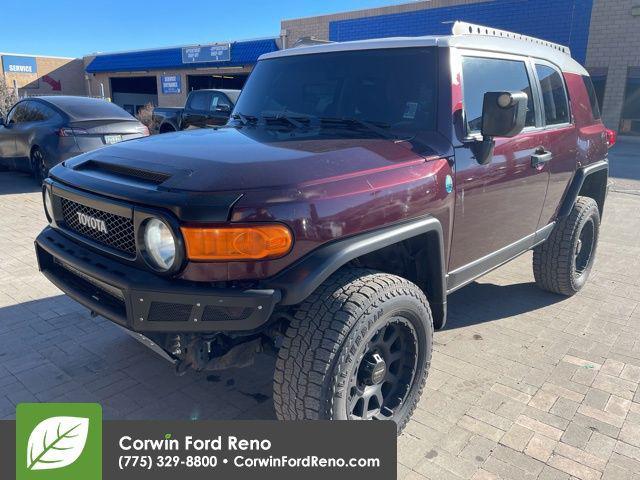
(71,132)
(612,136)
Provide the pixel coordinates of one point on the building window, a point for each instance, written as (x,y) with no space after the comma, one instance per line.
(630,122)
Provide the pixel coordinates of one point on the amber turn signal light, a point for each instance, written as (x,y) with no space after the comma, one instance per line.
(256,242)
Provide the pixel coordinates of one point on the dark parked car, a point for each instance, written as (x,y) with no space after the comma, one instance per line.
(356,186)
(41,132)
(204,108)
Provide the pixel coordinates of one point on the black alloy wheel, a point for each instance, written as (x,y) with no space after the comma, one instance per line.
(382,380)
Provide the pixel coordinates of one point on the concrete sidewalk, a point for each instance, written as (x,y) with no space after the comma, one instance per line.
(524,384)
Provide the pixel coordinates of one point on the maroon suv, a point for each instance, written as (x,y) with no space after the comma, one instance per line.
(356,185)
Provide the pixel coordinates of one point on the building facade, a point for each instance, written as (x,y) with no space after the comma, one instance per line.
(164,77)
(604,35)
(40,75)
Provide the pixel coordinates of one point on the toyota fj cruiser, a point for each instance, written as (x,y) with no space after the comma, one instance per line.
(355,186)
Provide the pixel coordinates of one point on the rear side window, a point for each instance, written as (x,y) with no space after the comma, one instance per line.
(44,111)
(481,75)
(593,98)
(554,95)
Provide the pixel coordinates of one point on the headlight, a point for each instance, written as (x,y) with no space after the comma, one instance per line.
(48,205)
(159,244)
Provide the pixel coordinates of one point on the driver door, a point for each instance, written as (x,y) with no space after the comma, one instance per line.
(497,205)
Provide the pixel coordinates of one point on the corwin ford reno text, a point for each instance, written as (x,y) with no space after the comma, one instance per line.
(356,185)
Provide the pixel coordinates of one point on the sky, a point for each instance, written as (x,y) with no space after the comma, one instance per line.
(75,28)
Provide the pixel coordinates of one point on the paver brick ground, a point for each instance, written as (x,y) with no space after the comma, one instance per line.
(524,384)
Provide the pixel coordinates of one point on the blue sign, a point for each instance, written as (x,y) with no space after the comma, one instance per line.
(171,84)
(207,53)
(16,64)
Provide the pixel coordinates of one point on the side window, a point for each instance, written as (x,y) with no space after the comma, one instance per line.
(23,112)
(29,111)
(482,75)
(16,113)
(593,98)
(554,95)
(218,100)
(200,101)
(43,112)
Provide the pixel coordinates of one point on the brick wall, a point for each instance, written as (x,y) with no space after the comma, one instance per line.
(614,44)
(67,72)
(319,26)
(562,21)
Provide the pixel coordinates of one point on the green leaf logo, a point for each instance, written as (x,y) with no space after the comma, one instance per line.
(57,442)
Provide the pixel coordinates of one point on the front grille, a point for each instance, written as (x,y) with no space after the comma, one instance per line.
(119,235)
(169,312)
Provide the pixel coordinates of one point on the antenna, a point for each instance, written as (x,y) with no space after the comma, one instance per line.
(464,28)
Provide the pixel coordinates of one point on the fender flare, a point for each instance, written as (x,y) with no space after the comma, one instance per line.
(302,278)
(576,184)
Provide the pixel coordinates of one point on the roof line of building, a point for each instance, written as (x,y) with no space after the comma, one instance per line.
(34,55)
(393,5)
(98,54)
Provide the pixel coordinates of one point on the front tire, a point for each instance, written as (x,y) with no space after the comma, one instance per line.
(358,348)
(563,263)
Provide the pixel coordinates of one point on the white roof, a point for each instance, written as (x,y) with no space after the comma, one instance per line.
(464,35)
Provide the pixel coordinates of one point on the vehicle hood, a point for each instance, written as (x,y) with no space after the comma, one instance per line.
(233,159)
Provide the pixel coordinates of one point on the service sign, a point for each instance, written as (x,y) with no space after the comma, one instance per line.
(18,64)
(220,52)
(171,84)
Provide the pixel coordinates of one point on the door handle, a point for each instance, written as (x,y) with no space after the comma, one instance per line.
(540,157)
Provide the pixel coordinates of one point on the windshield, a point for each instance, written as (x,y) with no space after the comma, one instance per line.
(392,88)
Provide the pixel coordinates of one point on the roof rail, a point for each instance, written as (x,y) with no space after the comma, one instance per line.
(464,28)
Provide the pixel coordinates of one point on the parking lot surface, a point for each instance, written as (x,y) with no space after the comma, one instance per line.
(523,385)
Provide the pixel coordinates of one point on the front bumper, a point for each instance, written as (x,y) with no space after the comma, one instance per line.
(144,302)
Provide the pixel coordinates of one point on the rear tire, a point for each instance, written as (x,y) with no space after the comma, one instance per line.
(39,167)
(358,348)
(563,263)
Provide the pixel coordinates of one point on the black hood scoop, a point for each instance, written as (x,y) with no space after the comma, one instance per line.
(141,174)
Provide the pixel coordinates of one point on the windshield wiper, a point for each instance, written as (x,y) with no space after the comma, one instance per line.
(289,119)
(244,119)
(378,129)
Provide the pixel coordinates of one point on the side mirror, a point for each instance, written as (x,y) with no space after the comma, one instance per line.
(504,114)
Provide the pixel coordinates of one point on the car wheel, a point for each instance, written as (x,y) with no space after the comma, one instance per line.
(563,263)
(358,348)
(39,166)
